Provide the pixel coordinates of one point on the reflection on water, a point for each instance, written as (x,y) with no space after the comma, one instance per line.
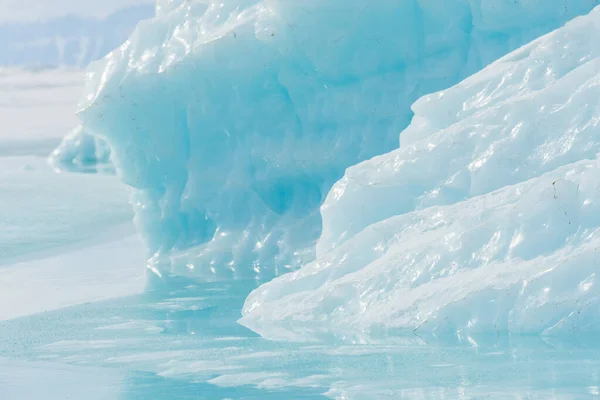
(149,386)
(182,341)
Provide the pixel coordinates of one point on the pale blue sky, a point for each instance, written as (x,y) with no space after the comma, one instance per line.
(28,10)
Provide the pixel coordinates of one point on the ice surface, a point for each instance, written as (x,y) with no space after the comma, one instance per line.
(529,114)
(54,381)
(41,211)
(485,221)
(186,345)
(65,239)
(233,120)
(102,268)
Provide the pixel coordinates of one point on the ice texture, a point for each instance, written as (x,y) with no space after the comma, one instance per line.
(81,152)
(485,221)
(44,213)
(232,120)
(163,7)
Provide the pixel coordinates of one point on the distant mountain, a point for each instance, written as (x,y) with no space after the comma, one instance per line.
(68,40)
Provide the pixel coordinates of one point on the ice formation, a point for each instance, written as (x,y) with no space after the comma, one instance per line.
(486,220)
(82,152)
(164,7)
(232,120)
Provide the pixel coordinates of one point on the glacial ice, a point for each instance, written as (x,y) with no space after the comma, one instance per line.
(232,120)
(164,7)
(81,152)
(485,221)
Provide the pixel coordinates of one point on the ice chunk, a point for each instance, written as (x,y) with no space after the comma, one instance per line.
(82,152)
(519,260)
(525,115)
(487,219)
(233,119)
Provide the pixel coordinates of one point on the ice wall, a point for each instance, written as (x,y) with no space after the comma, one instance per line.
(485,221)
(233,119)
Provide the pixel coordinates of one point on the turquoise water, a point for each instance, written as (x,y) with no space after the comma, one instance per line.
(185,343)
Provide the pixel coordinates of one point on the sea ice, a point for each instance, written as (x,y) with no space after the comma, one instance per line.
(82,152)
(485,221)
(232,120)
(42,212)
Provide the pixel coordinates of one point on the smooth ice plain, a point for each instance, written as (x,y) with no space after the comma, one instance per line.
(419,178)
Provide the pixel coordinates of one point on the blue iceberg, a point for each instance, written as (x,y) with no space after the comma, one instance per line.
(486,221)
(233,120)
(426,179)
(81,152)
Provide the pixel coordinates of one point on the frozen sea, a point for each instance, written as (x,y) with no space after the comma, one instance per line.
(186,344)
(80,319)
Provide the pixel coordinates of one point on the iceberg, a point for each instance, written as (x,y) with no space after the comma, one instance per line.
(81,152)
(232,120)
(485,221)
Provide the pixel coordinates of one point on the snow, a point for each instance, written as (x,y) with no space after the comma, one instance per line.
(527,115)
(485,221)
(42,210)
(233,120)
